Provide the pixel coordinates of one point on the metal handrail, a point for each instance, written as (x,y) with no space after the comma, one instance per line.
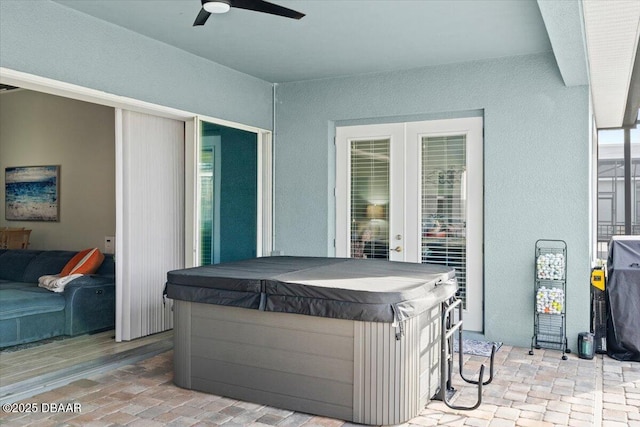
(491,371)
(446,357)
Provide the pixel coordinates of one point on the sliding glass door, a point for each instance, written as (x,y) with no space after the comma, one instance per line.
(228,194)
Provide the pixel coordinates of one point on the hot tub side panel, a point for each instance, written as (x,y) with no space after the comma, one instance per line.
(344,369)
(297,362)
(393,379)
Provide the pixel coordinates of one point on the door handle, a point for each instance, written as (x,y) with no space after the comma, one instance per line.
(396,249)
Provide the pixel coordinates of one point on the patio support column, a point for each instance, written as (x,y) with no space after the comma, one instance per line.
(627,181)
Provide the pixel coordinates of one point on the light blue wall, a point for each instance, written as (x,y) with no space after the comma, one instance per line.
(50,40)
(536,168)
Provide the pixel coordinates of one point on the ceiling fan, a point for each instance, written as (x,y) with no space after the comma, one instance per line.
(223,6)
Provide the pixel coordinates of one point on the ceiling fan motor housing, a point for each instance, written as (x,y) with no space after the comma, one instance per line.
(223,6)
(216,6)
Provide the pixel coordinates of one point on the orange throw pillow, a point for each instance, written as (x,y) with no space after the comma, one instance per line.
(84,262)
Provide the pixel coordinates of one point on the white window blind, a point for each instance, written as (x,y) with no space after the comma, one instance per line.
(444,204)
(370,198)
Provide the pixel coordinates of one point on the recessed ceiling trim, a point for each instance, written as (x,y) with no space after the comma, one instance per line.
(612,32)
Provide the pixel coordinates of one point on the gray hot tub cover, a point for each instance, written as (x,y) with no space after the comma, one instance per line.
(343,288)
(623,296)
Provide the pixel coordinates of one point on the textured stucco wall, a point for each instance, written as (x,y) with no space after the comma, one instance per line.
(50,40)
(536,151)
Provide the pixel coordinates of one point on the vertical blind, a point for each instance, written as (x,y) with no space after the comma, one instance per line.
(443,203)
(370,198)
(151,221)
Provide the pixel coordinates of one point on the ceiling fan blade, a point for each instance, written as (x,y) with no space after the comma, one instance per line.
(266,7)
(202,17)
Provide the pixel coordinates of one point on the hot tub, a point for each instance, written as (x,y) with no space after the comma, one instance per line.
(353,339)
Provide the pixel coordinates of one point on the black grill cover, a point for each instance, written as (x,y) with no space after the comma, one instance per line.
(623,295)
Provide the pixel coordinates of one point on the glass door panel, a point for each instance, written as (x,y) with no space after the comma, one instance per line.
(227,182)
(370,198)
(443,204)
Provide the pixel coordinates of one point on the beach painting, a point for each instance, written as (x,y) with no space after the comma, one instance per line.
(32,193)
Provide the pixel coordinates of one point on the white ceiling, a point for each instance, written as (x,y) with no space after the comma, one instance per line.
(336,37)
(612,31)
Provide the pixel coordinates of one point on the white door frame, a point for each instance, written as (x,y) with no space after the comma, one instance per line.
(265,153)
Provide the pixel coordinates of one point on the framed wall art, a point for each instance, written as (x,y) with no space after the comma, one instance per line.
(32,193)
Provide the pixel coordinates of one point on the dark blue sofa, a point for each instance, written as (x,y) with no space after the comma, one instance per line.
(29,313)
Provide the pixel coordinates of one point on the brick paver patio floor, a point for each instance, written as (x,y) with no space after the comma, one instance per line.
(539,390)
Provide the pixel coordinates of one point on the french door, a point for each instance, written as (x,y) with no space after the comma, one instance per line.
(413,192)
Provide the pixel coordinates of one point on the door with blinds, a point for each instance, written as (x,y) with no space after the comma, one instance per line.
(413,192)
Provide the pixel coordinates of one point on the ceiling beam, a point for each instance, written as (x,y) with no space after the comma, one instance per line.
(563,21)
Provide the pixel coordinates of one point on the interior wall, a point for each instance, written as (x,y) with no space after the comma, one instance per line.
(536,163)
(39,129)
(53,41)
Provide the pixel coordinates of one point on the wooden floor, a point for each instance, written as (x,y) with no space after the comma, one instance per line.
(54,362)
